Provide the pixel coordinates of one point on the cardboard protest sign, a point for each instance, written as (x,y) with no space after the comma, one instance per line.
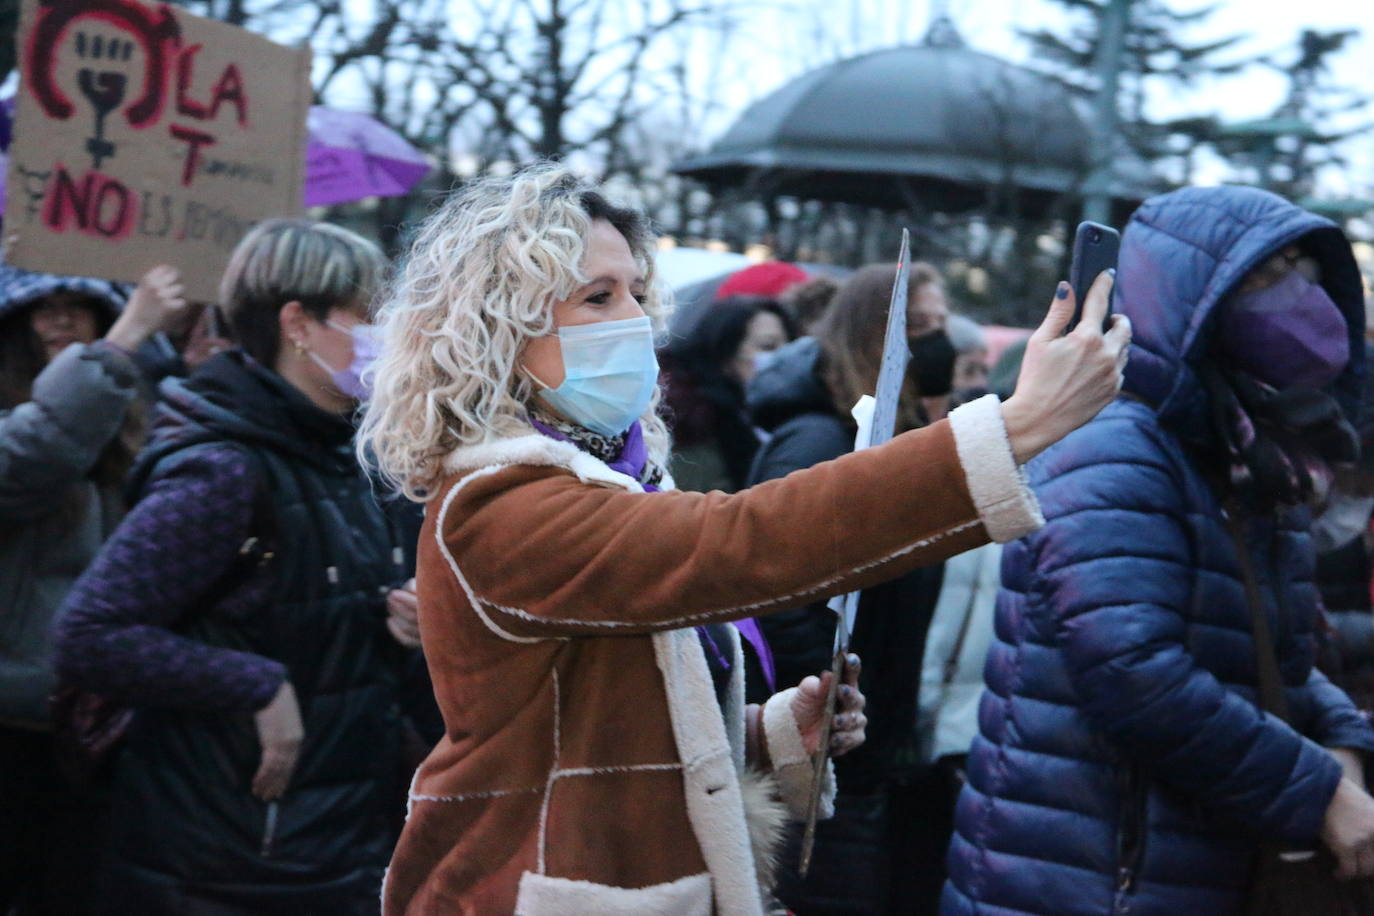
(146,135)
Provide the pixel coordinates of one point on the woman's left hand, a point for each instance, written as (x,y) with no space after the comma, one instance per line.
(403,615)
(847,728)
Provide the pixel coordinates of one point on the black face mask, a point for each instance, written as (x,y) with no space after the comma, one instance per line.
(932,363)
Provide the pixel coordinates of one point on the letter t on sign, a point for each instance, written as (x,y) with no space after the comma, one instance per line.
(194,140)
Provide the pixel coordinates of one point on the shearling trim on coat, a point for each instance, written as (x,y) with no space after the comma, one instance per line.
(791,763)
(765,813)
(534,449)
(541,456)
(711,779)
(1006,506)
(538,449)
(733,709)
(711,783)
(544,895)
(999,489)
(766,817)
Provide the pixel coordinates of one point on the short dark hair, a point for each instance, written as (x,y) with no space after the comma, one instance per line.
(319,265)
(716,337)
(629,222)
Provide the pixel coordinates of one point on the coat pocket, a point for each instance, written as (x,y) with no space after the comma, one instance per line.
(544,895)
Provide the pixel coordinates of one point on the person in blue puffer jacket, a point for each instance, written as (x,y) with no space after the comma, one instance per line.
(1122,764)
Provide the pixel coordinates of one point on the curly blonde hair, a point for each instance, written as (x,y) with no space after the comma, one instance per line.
(480,281)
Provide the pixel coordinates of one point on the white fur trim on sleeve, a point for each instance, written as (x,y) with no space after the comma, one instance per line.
(1005,503)
(545,895)
(792,765)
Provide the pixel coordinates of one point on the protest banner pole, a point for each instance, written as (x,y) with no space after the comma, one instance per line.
(879,426)
(1111,45)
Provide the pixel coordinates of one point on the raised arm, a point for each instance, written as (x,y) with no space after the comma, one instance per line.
(595,560)
(78,404)
(51,441)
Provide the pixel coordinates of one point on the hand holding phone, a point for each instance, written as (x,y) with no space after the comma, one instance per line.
(1095,249)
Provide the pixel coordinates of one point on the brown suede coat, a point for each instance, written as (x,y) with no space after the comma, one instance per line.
(587,767)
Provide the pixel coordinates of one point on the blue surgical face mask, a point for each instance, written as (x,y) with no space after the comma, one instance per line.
(609,374)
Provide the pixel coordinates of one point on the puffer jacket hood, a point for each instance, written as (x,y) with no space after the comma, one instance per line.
(48,446)
(1183,253)
(20,289)
(788,385)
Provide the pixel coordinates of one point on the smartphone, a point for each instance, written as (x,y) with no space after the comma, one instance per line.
(1095,249)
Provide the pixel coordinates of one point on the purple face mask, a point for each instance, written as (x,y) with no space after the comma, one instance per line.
(355,381)
(1288,335)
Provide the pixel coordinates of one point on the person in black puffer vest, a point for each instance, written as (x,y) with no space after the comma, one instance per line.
(251,608)
(864,855)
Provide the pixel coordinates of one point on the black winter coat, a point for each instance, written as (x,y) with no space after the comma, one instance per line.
(790,401)
(196,840)
(856,868)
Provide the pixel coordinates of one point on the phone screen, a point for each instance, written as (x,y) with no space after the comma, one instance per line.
(1095,249)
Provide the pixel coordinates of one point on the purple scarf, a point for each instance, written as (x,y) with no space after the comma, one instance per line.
(632,460)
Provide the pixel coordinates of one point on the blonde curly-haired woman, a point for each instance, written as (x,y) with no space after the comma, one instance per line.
(599,757)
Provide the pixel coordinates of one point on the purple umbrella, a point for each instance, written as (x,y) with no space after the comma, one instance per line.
(351,156)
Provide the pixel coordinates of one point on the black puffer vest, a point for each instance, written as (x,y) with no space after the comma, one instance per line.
(183,784)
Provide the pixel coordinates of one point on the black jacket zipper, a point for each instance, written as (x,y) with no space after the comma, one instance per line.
(1130,833)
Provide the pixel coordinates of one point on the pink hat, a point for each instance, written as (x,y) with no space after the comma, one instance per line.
(769,279)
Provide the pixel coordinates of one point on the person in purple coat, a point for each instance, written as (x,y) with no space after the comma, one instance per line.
(1123,763)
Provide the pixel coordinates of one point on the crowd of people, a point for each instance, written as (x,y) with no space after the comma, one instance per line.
(459,586)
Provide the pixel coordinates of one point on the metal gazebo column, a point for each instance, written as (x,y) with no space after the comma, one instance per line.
(1111,44)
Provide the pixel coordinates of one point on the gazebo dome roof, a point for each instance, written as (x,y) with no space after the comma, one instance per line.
(949,117)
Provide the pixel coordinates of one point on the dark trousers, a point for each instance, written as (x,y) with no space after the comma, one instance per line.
(882,854)
(926,809)
(51,834)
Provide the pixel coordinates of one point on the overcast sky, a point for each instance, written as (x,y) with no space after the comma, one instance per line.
(776,38)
